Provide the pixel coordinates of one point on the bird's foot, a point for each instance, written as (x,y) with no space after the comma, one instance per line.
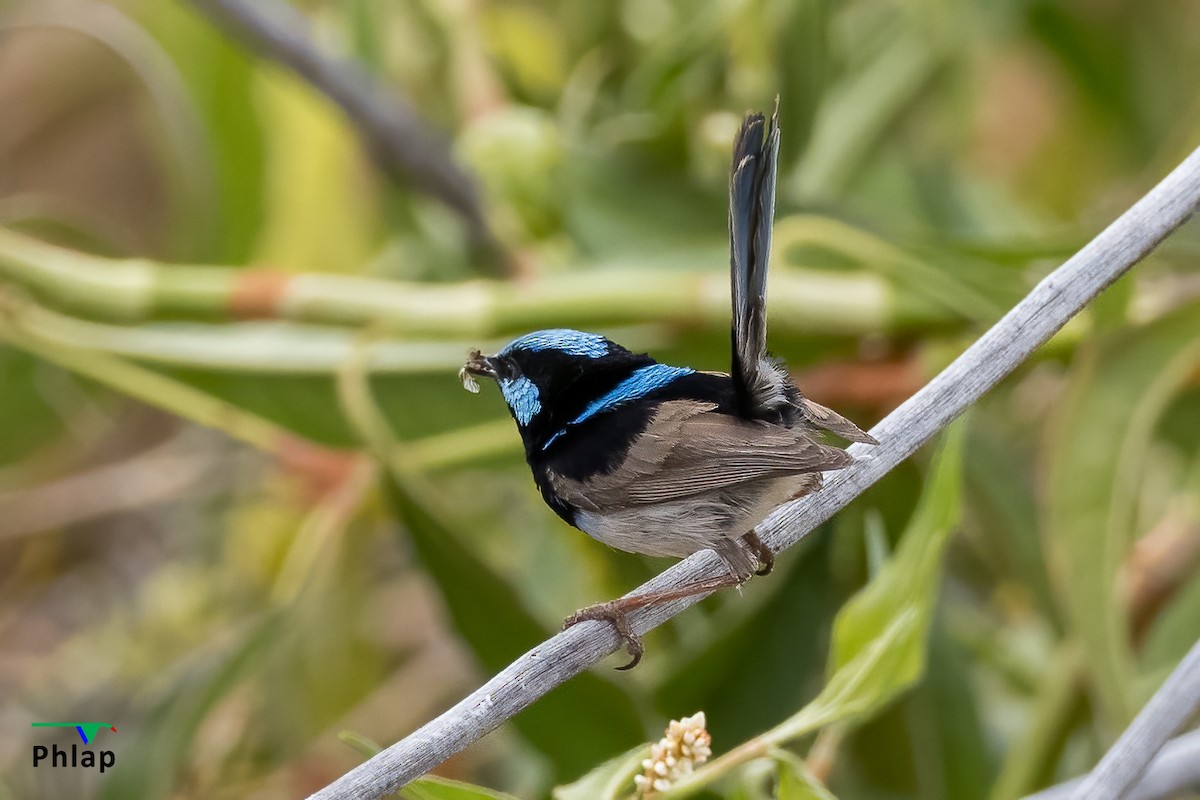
(766,559)
(612,612)
(616,612)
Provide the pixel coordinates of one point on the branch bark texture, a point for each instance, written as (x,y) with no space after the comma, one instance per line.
(1174,770)
(1054,301)
(1176,701)
(405,147)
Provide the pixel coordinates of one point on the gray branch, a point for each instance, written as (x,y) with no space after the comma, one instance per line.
(403,145)
(1053,302)
(1171,706)
(1174,770)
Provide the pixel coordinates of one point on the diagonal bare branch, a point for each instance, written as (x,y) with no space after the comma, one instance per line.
(405,146)
(1175,702)
(1174,770)
(1030,324)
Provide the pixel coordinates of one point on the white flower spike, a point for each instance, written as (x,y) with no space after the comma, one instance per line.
(687,745)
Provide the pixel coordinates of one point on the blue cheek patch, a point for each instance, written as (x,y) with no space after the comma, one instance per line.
(641,383)
(564,340)
(522,397)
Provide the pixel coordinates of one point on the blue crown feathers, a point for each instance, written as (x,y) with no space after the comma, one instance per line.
(564,340)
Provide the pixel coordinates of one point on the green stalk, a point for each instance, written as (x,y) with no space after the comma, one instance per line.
(82,347)
(149,387)
(100,286)
(129,290)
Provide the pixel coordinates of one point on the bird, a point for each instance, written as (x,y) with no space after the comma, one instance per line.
(667,460)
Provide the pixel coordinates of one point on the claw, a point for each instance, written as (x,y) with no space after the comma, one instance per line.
(612,613)
(766,559)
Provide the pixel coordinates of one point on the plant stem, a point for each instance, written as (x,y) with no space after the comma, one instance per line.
(136,290)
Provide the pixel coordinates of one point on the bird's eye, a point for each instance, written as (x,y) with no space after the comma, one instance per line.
(507,369)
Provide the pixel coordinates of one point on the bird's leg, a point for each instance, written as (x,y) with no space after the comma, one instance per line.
(766,559)
(617,611)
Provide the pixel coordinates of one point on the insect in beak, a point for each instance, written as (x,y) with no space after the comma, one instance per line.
(477,364)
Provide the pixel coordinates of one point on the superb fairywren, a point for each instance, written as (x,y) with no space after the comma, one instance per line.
(664,460)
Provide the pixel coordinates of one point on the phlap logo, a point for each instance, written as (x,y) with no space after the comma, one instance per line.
(88,759)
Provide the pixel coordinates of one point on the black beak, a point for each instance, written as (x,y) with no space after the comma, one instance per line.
(477,364)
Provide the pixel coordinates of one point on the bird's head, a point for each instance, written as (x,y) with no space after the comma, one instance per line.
(548,377)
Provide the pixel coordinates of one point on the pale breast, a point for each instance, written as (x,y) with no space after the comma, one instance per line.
(713,520)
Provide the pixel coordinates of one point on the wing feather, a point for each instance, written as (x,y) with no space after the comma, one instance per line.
(687,450)
(834,422)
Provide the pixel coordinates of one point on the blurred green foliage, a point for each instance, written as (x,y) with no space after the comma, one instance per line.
(232,600)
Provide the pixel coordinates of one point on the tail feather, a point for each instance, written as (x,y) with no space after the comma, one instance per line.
(763,387)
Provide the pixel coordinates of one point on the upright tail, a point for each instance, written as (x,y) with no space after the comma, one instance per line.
(764,389)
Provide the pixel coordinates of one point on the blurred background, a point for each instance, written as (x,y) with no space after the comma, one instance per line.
(249,516)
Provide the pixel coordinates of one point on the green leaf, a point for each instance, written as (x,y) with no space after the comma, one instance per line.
(610,780)
(23,399)
(909,579)
(1101,441)
(367,24)
(221,90)
(950,751)
(365,747)
(853,117)
(433,788)
(920,278)
(1000,493)
(320,214)
(1095,58)
(880,634)
(795,782)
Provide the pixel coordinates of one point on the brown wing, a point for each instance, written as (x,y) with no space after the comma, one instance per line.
(834,422)
(685,451)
